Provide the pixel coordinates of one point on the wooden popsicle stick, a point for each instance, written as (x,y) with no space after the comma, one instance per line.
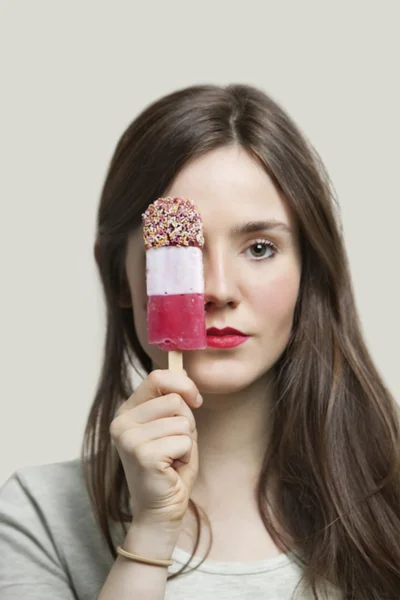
(175,360)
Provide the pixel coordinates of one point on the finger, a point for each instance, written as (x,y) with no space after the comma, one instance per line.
(159,454)
(159,408)
(129,440)
(160,383)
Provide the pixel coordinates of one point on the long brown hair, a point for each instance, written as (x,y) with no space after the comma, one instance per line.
(334,446)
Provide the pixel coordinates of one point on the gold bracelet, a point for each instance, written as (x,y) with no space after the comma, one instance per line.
(147,561)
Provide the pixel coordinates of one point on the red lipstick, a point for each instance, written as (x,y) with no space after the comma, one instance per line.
(225,338)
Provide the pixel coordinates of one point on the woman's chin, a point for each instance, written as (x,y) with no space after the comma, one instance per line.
(218,378)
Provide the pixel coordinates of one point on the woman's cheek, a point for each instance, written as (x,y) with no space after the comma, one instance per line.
(275,298)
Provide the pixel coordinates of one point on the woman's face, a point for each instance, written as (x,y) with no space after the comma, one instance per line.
(251,279)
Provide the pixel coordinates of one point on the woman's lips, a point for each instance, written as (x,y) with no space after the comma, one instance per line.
(225,338)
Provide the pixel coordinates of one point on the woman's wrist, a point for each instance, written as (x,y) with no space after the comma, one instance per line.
(151,540)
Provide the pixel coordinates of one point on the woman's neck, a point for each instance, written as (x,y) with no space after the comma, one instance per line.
(233,434)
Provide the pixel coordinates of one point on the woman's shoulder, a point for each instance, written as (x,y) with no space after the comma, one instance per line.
(47,499)
(49,537)
(60,481)
(48,530)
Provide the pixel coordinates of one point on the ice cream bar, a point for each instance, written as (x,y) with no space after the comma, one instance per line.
(173,238)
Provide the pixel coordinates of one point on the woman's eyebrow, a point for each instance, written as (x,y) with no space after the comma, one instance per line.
(255,226)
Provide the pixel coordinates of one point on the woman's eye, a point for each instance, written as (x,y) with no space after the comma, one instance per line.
(262,249)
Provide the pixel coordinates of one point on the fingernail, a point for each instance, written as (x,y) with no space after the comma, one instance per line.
(199,400)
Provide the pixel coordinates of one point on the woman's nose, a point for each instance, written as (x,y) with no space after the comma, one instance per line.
(220,281)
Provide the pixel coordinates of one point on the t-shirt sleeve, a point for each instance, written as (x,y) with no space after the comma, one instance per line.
(30,566)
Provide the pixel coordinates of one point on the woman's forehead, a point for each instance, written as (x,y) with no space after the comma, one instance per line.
(230,187)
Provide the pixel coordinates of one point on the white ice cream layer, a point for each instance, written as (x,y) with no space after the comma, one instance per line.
(172,270)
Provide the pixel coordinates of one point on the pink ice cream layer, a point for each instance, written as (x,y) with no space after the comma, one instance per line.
(176,322)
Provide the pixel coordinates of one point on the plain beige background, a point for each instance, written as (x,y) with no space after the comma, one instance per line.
(74,74)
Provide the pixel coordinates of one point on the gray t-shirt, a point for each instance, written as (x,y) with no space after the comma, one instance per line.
(51,547)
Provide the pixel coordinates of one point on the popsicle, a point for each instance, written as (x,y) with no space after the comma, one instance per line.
(173,238)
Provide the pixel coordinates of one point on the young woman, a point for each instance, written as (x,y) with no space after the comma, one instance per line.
(283,480)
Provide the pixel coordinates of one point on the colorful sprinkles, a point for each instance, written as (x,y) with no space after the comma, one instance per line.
(172,221)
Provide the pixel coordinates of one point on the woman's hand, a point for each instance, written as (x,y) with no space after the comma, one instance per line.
(155,434)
